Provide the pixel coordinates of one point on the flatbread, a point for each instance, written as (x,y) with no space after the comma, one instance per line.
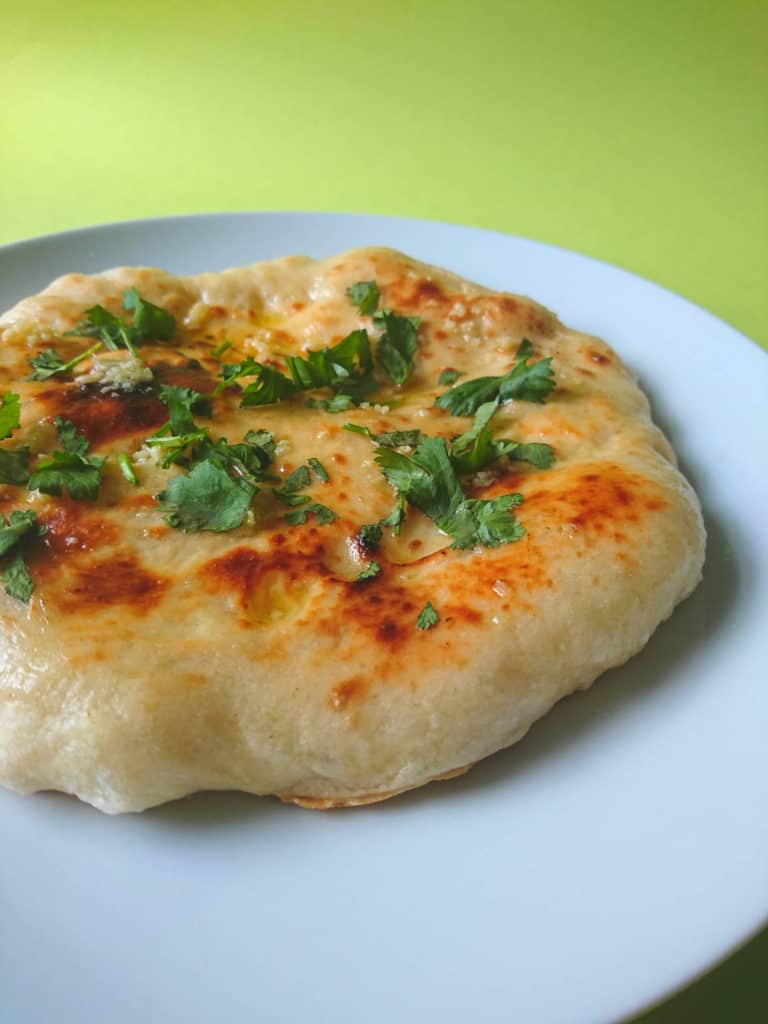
(151,662)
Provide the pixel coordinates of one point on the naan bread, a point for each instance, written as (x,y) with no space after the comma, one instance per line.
(151,663)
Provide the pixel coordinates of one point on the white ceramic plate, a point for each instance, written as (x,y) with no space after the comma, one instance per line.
(616,852)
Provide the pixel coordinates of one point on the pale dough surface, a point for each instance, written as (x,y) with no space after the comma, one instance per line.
(152,663)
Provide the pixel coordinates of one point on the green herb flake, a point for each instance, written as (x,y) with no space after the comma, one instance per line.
(477,448)
(14,465)
(428,617)
(70,468)
(208,498)
(10,414)
(369,572)
(428,480)
(220,349)
(397,345)
(126,468)
(322,514)
(529,382)
(49,363)
(365,295)
(14,533)
(448,377)
(319,470)
(339,403)
(149,320)
(16,579)
(369,536)
(389,439)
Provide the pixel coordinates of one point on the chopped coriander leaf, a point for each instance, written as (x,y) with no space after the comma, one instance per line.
(17,525)
(181,403)
(319,470)
(16,579)
(396,517)
(79,474)
(270,386)
(369,536)
(219,351)
(71,439)
(322,514)
(333,367)
(100,323)
(428,480)
(14,465)
(477,448)
(232,372)
(14,532)
(208,498)
(448,377)
(296,480)
(539,455)
(339,403)
(149,320)
(10,414)
(50,362)
(397,345)
(369,572)
(529,382)
(487,523)
(365,295)
(126,468)
(246,460)
(428,617)
(389,439)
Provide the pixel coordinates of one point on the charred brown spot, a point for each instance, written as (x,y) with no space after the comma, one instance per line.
(347,691)
(242,569)
(409,295)
(70,528)
(599,357)
(339,458)
(104,418)
(121,580)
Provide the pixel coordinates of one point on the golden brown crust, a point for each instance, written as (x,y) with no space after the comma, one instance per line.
(151,663)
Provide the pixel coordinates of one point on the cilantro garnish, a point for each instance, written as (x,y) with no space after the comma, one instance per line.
(477,448)
(369,572)
(149,321)
(529,382)
(428,617)
(206,499)
(14,532)
(448,377)
(220,349)
(126,468)
(14,465)
(319,470)
(10,414)
(180,435)
(270,386)
(50,362)
(345,363)
(397,345)
(302,504)
(339,403)
(70,467)
(369,536)
(322,514)
(365,295)
(428,480)
(389,439)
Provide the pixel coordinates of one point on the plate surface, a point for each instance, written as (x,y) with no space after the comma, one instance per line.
(616,852)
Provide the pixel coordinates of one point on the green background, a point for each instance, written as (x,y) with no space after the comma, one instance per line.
(636,132)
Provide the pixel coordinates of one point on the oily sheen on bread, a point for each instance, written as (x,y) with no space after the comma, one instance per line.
(152,661)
